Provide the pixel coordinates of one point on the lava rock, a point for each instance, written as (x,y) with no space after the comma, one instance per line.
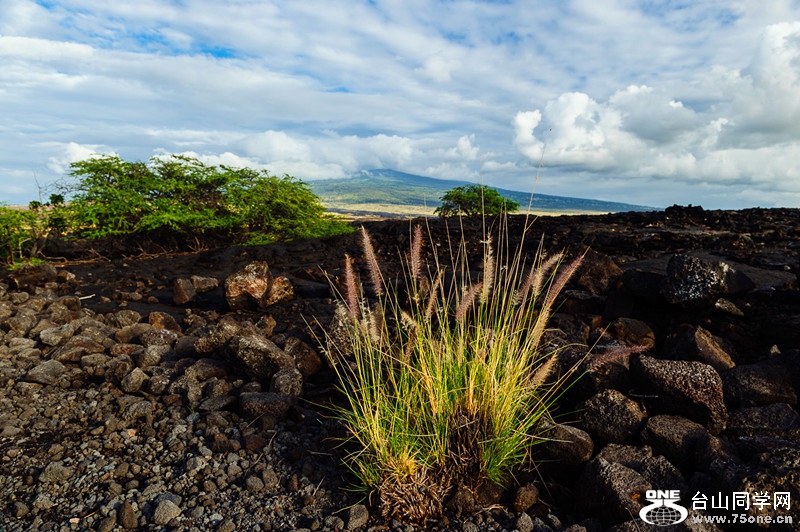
(673,436)
(306,359)
(776,420)
(632,332)
(287,381)
(694,282)
(758,384)
(260,357)
(183,291)
(276,406)
(48,372)
(611,490)
(570,446)
(612,416)
(597,272)
(251,287)
(695,343)
(693,389)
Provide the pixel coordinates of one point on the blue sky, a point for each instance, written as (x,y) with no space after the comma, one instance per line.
(650,102)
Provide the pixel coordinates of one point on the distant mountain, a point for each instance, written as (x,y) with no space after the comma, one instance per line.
(389,190)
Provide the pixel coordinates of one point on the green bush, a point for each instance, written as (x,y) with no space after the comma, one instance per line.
(446,382)
(183,197)
(21,231)
(472,200)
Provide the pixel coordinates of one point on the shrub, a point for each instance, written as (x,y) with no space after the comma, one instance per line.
(185,198)
(471,200)
(21,233)
(446,383)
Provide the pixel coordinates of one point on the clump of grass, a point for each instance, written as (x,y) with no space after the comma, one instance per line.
(446,384)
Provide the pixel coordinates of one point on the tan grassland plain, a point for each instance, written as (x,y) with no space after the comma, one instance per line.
(391,210)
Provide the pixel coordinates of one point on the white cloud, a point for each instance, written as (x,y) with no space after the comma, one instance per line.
(628,101)
(746,138)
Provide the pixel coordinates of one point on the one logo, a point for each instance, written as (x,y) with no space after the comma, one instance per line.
(663,511)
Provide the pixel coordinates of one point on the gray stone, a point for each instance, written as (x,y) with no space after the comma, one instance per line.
(597,272)
(207,368)
(153,337)
(611,490)
(694,282)
(213,404)
(20,510)
(23,321)
(524,523)
(137,409)
(612,416)
(183,291)
(254,484)
(280,290)
(125,318)
(248,287)
(255,404)
(758,384)
(150,356)
(226,329)
(204,284)
(633,457)
(632,332)
(776,470)
(696,343)
(43,502)
(777,421)
(662,474)
(693,389)
(673,436)
(54,473)
(306,359)
(163,320)
(526,496)
(165,512)
(567,444)
(130,333)
(357,516)
(57,335)
(260,356)
(133,381)
(107,524)
(287,381)
(47,372)
(127,517)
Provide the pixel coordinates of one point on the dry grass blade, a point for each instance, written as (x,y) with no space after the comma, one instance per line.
(540,376)
(535,278)
(415,261)
(467,301)
(372,263)
(351,288)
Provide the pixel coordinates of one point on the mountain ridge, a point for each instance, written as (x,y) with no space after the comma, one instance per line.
(385,187)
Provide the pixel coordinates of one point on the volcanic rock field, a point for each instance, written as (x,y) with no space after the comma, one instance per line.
(188,391)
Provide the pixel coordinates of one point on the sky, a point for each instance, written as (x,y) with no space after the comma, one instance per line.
(650,102)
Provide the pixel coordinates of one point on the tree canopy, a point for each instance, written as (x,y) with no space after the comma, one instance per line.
(181,196)
(471,200)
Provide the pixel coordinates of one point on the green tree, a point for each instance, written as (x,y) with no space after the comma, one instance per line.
(179,197)
(470,200)
(19,229)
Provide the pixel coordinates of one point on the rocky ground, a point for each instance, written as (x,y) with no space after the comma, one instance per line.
(184,392)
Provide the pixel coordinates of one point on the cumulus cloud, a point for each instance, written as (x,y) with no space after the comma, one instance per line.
(747,137)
